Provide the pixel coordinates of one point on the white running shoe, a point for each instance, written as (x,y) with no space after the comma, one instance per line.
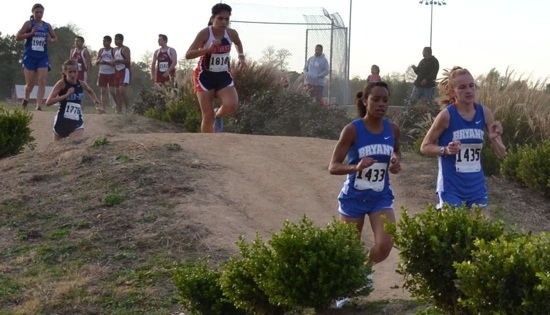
(343,302)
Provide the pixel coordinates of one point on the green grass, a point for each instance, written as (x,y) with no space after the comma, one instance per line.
(113,199)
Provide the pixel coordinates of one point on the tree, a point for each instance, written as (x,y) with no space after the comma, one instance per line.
(278,58)
(10,65)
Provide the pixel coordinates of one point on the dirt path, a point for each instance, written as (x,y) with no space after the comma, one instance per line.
(257,182)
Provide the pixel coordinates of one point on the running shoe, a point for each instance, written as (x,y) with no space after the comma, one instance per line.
(218,122)
(24,103)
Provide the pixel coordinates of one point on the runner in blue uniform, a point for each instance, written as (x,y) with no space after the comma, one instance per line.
(456,137)
(68,92)
(37,34)
(371,144)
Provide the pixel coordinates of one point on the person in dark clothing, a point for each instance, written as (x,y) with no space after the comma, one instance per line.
(426,71)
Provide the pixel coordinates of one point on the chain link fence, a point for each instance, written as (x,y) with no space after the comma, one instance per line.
(286,37)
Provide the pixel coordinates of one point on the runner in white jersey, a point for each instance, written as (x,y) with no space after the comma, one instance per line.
(106,79)
(123,72)
(213,75)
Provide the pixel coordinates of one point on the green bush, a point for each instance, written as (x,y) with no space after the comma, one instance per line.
(489,160)
(429,244)
(507,276)
(302,266)
(199,290)
(534,167)
(175,105)
(288,113)
(15,132)
(414,122)
(149,100)
(239,276)
(510,164)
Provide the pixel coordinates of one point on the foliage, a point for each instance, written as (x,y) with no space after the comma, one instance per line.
(198,289)
(175,105)
(510,164)
(530,165)
(489,160)
(414,122)
(429,244)
(99,142)
(239,279)
(257,78)
(10,66)
(512,272)
(520,104)
(288,113)
(15,132)
(302,266)
(310,266)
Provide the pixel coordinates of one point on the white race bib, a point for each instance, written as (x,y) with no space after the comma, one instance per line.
(468,159)
(372,177)
(72,111)
(38,43)
(219,62)
(163,66)
(79,67)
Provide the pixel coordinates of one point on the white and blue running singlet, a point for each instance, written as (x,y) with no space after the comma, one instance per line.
(462,174)
(374,180)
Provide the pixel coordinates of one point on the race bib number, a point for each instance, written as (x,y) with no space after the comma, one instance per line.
(372,177)
(219,62)
(468,159)
(72,111)
(163,66)
(38,43)
(79,67)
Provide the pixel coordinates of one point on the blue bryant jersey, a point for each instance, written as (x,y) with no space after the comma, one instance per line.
(462,174)
(37,45)
(374,180)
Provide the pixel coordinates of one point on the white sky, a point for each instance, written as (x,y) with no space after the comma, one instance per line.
(478,35)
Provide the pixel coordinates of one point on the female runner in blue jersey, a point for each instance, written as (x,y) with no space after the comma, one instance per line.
(456,137)
(371,144)
(37,34)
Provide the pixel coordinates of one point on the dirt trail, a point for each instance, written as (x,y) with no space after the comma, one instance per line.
(255,182)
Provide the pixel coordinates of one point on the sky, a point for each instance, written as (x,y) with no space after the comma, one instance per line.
(478,35)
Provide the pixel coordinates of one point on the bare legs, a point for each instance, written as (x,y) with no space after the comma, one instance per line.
(122,98)
(382,240)
(30,76)
(229,100)
(75,134)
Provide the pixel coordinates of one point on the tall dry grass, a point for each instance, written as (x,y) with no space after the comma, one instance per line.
(519,103)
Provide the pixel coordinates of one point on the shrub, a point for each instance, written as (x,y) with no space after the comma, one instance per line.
(429,244)
(15,132)
(174,105)
(520,104)
(414,122)
(309,266)
(239,276)
(288,113)
(510,164)
(533,169)
(489,160)
(302,266)
(149,99)
(507,276)
(255,79)
(199,290)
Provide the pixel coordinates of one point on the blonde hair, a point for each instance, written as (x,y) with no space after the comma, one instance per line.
(446,84)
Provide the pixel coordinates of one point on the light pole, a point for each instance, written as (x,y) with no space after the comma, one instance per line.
(431,3)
